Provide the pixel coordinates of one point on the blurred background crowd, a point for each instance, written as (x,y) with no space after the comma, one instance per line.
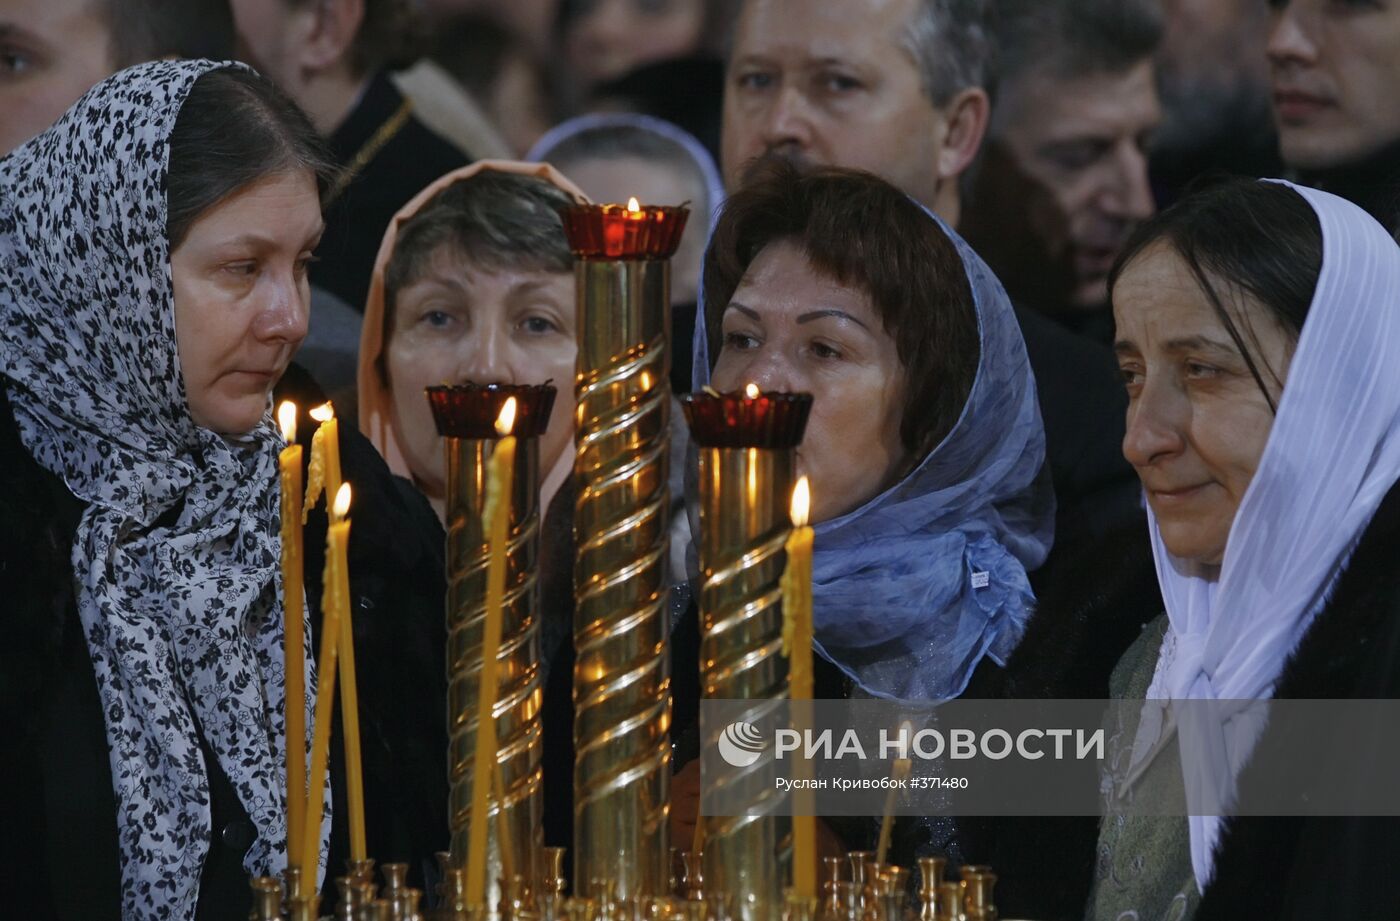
(1045,131)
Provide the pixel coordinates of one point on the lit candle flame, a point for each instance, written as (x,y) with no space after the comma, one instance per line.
(342,501)
(287,420)
(801,502)
(505,422)
(645,380)
(751,391)
(634,206)
(323,413)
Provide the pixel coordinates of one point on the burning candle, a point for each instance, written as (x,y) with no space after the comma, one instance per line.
(797,594)
(497,516)
(324,470)
(289,464)
(797,642)
(350,696)
(635,231)
(335,605)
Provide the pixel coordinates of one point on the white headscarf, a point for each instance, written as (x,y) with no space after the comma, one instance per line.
(1331,457)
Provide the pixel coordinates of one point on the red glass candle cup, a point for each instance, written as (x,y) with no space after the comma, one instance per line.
(471,410)
(733,420)
(617,232)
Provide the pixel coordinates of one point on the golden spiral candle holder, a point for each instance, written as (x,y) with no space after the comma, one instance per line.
(466,418)
(622,707)
(747,446)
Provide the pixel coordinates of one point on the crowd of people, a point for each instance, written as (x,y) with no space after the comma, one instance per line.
(1098,301)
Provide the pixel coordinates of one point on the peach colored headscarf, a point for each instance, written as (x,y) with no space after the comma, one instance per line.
(376,405)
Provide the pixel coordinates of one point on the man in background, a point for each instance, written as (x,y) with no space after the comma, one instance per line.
(896,87)
(1217,115)
(54,51)
(902,88)
(1335,71)
(333,58)
(1063,181)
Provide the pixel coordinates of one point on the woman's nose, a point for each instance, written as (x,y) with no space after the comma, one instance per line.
(769,372)
(286,314)
(1157,422)
(485,357)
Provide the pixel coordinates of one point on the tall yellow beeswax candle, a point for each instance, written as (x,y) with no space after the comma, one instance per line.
(293,599)
(497,514)
(335,602)
(797,630)
(324,469)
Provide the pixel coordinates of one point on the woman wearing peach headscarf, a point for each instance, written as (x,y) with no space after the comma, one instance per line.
(474,282)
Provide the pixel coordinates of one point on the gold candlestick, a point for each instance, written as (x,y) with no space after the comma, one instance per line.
(622,682)
(748,448)
(466,418)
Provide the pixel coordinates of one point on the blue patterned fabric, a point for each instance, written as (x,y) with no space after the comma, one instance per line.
(913,589)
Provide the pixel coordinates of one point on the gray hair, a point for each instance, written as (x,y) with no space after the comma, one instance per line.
(1076,38)
(952,44)
(494,220)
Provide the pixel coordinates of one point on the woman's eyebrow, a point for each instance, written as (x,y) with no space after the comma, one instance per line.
(830,312)
(746,311)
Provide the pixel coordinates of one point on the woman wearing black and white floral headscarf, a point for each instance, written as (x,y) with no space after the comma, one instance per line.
(153,253)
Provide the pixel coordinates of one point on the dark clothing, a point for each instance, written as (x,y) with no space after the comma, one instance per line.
(1249,150)
(1084,407)
(688,92)
(59,845)
(1342,867)
(1094,608)
(1373,184)
(1337,867)
(357,218)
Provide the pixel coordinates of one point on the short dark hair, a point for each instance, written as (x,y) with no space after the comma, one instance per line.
(1075,38)
(1241,236)
(390,38)
(147,30)
(235,128)
(493,219)
(859,230)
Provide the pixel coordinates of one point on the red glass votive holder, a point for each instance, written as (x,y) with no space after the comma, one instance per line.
(471,410)
(618,232)
(735,420)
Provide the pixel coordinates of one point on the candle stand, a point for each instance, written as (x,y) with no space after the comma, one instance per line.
(466,418)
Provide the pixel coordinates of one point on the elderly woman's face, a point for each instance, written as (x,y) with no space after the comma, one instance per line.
(790,328)
(242,299)
(1197,420)
(457,324)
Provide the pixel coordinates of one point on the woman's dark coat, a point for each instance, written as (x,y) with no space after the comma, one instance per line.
(1275,868)
(58,833)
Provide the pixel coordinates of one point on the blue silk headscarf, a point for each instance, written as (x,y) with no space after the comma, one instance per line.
(914,588)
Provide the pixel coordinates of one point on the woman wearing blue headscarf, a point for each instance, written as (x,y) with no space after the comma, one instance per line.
(925,448)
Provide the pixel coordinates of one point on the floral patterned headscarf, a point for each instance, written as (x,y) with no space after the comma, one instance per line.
(175,559)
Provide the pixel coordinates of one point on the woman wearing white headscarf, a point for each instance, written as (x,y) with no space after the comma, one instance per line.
(1258,328)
